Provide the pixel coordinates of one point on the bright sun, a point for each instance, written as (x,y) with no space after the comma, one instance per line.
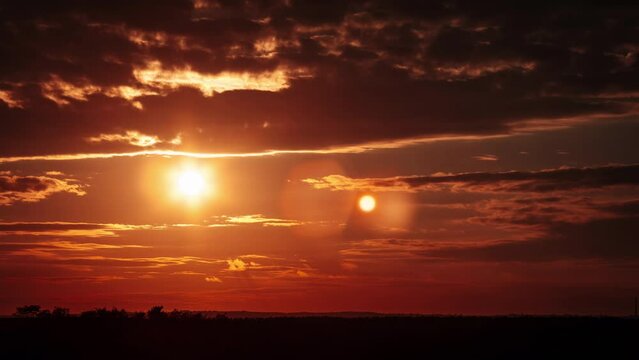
(191,183)
(367,203)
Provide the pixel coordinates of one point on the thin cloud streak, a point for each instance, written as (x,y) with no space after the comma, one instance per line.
(516,129)
(549,180)
(348,149)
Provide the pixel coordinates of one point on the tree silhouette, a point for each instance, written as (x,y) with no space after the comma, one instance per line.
(178,314)
(137,315)
(118,314)
(184,315)
(44,314)
(59,312)
(103,313)
(28,310)
(156,313)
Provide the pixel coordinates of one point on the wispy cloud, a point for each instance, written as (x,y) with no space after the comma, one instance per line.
(267,267)
(130,137)
(19,188)
(511,181)
(62,92)
(97,230)
(346,149)
(71,229)
(135,138)
(486,157)
(156,76)
(259,219)
(72,246)
(8,98)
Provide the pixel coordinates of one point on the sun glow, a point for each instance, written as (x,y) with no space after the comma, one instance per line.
(191,183)
(367,203)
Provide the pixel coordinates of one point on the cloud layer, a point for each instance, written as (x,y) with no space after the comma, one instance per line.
(561,179)
(254,76)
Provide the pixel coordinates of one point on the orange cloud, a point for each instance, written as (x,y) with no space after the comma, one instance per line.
(146,262)
(155,76)
(56,249)
(7,98)
(129,93)
(393,249)
(187,272)
(345,183)
(260,219)
(237,264)
(134,138)
(486,157)
(62,92)
(270,268)
(549,180)
(14,188)
(348,149)
(244,262)
(471,71)
(74,246)
(131,137)
(70,229)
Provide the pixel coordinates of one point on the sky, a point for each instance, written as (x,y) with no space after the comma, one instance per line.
(212,155)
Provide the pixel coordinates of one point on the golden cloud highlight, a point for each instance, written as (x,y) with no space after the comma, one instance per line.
(14,188)
(237,264)
(260,219)
(7,98)
(155,76)
(70,229)
(486,157)
(62,92)
(130,137)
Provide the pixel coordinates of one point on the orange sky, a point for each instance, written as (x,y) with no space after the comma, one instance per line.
(212,156)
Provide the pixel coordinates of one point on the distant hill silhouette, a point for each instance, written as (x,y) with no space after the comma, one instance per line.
(265,315)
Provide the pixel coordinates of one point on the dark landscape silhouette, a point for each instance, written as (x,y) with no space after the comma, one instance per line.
(35,333)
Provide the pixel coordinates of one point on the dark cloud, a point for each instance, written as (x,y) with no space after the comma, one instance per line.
(610,239)
(623,208)
(14,188)
(349,72)
(561,179)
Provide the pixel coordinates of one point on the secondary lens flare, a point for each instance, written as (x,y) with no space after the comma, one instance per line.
(367,203)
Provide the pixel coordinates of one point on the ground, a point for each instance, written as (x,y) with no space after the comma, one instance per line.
(321,338)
